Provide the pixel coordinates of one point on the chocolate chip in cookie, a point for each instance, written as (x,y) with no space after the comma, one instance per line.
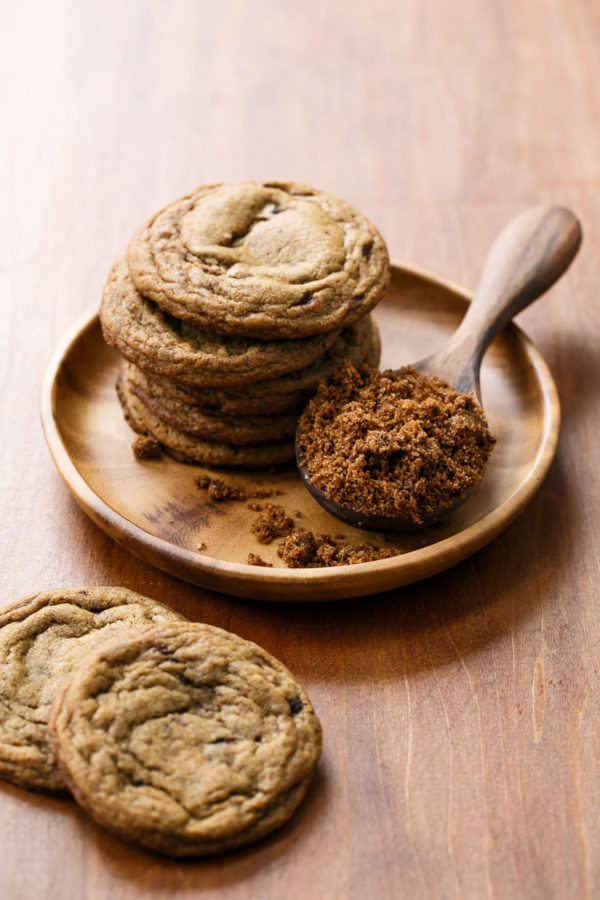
(265,260)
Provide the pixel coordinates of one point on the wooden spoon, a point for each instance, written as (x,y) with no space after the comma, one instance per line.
(528,256)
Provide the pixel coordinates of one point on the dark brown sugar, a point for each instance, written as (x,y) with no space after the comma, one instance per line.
(303,550)
(219,490)
(393,443)
(255,560)
(273,523)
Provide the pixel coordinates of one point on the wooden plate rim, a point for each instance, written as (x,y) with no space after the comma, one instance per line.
(338,582)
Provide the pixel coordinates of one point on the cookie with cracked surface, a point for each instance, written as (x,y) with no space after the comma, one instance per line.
(185,739)
(359,343)
(211,426)
(41,638)
(160,343)
(188,448)
(264,260)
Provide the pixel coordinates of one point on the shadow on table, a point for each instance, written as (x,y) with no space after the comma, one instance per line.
(104,859)
(153,874)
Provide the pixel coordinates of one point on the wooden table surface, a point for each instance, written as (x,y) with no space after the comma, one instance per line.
(461,714)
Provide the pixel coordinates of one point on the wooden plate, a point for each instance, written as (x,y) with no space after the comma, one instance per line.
(154,509)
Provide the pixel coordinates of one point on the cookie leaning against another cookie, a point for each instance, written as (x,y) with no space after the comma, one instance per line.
(185,739)
(265,260)
(159,343)
(41,638)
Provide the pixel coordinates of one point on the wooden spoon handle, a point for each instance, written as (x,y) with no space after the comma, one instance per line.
(528,256)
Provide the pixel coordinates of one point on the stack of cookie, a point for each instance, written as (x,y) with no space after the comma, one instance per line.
(229,306)
(176,735)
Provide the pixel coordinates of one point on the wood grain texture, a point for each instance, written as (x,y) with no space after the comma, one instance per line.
(461,714)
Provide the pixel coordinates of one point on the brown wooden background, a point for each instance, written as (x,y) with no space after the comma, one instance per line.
(461,715)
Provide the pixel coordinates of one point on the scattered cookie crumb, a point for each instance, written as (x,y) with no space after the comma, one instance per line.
(274,523)
(304,549)
(255,560)
(257,507)
(201,546)
(145,447)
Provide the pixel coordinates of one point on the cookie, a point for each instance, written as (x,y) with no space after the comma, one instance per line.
(211,426)
(185,739)
(359,343)
(41,638)
(264,260)
(187,448)
(159,343)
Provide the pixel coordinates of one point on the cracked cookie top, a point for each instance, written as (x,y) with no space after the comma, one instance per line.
(41,638)
(185,738)
(265,260)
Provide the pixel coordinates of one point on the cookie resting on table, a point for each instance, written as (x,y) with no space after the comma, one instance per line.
(41,638)
(185,739)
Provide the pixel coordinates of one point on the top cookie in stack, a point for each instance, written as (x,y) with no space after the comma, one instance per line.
(230,305)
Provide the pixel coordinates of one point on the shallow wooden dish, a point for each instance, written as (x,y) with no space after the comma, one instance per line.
(154,509)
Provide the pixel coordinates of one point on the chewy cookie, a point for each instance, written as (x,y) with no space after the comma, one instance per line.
(41,638)
(264,260)
(206,424)
(357,344)
(171,348)
(185,739)
(189,448)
